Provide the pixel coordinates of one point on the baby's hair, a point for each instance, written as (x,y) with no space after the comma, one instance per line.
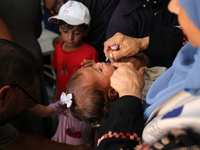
(69,27)
(90,101)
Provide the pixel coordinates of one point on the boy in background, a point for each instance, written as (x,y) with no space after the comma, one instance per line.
(73,19)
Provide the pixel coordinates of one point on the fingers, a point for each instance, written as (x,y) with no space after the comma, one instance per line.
(126,80)
(116,54)
(87,63)
(115,40)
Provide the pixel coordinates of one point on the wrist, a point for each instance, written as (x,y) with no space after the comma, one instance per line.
(144,43)
(131,93)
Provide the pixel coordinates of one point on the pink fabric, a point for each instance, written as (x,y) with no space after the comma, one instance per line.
(70,123)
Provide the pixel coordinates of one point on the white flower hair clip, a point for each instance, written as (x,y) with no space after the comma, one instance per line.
(66,99)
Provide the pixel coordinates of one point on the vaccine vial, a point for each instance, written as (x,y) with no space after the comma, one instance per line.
(112,49)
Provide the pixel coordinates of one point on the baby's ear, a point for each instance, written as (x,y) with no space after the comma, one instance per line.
(112,94)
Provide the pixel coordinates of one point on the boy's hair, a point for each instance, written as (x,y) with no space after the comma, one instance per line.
(68,26)
(17,65)
(90,101)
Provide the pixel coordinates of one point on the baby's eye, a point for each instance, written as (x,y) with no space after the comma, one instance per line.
(100,69)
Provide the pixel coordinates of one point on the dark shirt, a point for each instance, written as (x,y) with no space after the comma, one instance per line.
(139,18)
(123,129)
(131,18)
(124,125)
(164,46)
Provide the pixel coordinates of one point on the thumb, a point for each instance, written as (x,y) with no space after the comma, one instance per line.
(142,70)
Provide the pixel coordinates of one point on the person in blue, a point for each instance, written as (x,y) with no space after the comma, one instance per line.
(173,99)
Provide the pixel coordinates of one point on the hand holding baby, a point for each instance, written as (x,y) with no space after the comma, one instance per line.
(126,80)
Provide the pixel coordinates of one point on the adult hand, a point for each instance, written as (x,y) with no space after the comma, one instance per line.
(127,80)
(128,46)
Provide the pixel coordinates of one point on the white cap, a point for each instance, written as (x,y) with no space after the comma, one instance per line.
(73,13)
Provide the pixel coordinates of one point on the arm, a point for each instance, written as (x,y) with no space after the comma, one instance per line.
(49,7)
(34,142)
(160,47)
(123,128)
(49,4)
(4,31)
(42,111)
(55,97)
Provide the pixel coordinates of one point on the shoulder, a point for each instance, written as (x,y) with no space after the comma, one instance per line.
(8,133)
(128,6)
(59,45)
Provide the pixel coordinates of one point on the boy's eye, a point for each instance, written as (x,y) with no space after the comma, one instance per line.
(77,33)
(65,31)
(100,69)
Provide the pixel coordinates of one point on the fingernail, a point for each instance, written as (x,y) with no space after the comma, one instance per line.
(111,56)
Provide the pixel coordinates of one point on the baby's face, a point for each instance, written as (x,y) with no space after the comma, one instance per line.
(100,73)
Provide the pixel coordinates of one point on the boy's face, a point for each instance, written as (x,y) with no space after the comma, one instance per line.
(188,26)
(73,35)
(99,73)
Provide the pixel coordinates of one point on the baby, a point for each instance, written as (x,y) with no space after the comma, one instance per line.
(92,93)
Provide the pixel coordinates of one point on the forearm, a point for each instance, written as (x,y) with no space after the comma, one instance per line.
(4,31)
(49,4)
(144,43)
(55,97)
(123,126)
(42,111)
